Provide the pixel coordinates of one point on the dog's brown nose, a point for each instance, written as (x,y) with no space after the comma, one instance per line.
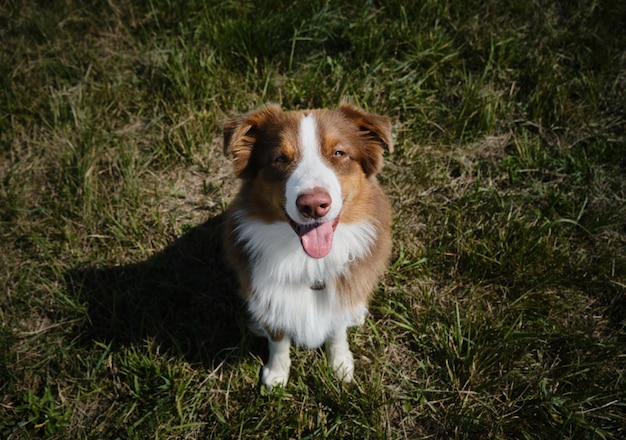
(314,204)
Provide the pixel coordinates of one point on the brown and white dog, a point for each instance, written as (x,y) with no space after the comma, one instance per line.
(309,232)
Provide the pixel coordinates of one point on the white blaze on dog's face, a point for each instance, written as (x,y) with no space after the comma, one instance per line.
(307,168)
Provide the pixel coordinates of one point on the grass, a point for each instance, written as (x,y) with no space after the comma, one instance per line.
(502,312)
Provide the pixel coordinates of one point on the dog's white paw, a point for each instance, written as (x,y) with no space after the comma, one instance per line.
(361,316)
(276,370)
(343,366)
(273,376)
(340,356)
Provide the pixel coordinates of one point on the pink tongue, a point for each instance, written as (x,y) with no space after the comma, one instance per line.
(317,239)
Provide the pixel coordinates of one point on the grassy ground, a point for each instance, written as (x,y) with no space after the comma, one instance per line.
(503,312)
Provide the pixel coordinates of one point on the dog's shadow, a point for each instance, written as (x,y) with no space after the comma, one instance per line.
(184,298)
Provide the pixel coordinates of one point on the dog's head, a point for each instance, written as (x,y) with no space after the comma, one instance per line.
(307,167)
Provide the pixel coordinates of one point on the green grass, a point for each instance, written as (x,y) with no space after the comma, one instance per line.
(502,314)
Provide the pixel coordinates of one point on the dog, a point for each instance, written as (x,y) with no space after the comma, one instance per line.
(309,232)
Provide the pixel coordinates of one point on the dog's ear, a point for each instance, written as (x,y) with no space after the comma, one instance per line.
(241,134)
(375,132)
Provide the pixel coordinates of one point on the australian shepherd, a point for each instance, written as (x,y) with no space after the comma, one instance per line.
(308,234)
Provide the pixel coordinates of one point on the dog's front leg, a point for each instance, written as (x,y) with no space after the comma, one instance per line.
(276,370)
(340,356)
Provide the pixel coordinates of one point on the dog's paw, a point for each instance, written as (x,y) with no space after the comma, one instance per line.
(343,366)
(359,316)
(274,378)
(276,371)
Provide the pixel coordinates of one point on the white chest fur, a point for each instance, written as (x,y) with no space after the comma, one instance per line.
(283,274)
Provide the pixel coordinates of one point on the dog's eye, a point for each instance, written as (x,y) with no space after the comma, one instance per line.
(339,153)
(281,158)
